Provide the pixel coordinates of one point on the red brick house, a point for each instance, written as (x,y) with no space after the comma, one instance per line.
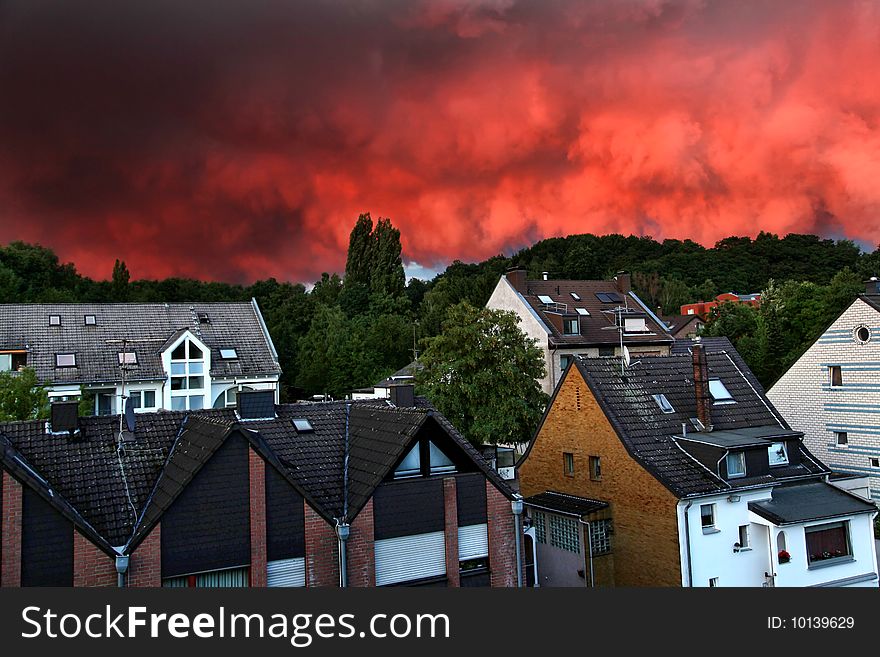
(321,494)
(703,308)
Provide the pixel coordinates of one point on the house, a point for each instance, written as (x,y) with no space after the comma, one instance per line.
(405,376)
(172,356)
(684,326)
(832,392)
(678,471)
(588,318)
(703,308)
(308,494)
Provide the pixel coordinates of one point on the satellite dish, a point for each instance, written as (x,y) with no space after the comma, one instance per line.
(129,414)
(626,358)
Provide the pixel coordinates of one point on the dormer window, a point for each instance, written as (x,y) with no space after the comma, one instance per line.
(11,361)
(736,465)
(571,326)
(663,403)
(778,454)
(187,377)
(719,392)
(54,320)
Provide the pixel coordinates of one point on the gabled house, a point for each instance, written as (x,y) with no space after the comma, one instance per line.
(172,356)
(310,494)
(678,471)
(702,308)
(568,318)
(684,326)
(832,392)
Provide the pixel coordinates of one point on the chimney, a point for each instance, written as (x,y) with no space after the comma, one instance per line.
(64,417)
(256,404)
(701,386)
(545,275)
(623,282)
(872,286)
(517,278)
(403,396)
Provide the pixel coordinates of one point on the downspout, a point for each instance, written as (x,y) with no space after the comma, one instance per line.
(589,551)
(516,506)
(687,539)
(121,569)
(343,529)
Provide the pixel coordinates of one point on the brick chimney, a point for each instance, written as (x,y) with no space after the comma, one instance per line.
(623,282)
(872,286)
(517,278)
(701,386)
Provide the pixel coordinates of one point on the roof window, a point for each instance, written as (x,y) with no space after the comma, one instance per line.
(583,312)
(575,296)
(302,425)
(228,354)
(65,360)
(543,298)
(663,403)
(719,392)
(608,297)
(89,320)
(54,320)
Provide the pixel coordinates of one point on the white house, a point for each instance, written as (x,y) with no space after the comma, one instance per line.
(172,356)
(832,393)
(569,318)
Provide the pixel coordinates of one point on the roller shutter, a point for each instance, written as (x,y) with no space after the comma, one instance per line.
(408,558)
(286,572)
(473,542)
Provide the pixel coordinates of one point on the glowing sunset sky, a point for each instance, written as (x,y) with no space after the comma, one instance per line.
(236,141)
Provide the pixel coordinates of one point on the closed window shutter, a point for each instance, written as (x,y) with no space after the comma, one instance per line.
(473,542)
(286,572)
(408,558)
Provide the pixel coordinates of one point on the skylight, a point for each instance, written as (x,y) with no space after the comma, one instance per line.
(65,360)
(575,296)
(203,318)
(89,320)
(583,312)
(663,403)
(608,297)
(302,425)
(719,392)
(543,298)
(228,354)
(128,358)
(54,320)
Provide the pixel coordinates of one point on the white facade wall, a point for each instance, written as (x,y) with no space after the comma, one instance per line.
(807,401)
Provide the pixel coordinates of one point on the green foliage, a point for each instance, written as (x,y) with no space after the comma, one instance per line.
(119,282)
(22,397)
(481,371)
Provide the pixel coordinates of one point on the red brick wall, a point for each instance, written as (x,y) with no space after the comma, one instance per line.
(450,505)
(258,518)
(322,565)
(91,566)
(145,566)
(502,539)
(361,550)
(10,568)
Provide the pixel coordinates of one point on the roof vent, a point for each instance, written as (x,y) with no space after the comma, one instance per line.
(403,396)
(64,417)
(256,404)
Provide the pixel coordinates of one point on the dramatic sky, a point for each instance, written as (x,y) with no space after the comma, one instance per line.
(240,140)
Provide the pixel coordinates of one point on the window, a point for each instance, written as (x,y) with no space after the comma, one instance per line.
(143,399)
(707,517)
(571,326)
(736,464)
(595,468)
(575,296)
(188,385)
(564,534)
(826,542)
(744,537)
(439,462)
(65,360)
(12,361)
(634,325)
(778,454)
(606,351)
(713,582)
(835,376)
(583,312)
(543,298)
(411,466)
(203,318)
(423,459)
(600,536)
(875,463)
(539,520)
(89,320)
(862,334)
(564,360)
(841,438)
(54,320)
(608,297)
(302,425)
(663,403)
(228,354)
(568,463)
(128,358)
(719,392)
(234,577)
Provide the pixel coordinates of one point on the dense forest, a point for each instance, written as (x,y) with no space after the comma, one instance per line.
(351,330)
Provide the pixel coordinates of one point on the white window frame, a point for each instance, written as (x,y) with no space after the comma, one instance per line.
(65,356)
(773,448)
(735,456)
(720,393)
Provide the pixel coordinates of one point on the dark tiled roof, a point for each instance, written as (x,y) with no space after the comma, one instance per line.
(569,505)
(599,327)
(150,326)
(810,501)
(648,434)
(872,300)
(119,494)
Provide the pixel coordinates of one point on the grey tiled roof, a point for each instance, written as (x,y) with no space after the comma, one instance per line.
(648,434)
(149,326)
(120,494)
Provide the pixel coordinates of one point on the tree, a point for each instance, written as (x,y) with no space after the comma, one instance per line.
(119,282)
(482,373)
(22,397)
(359,263)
